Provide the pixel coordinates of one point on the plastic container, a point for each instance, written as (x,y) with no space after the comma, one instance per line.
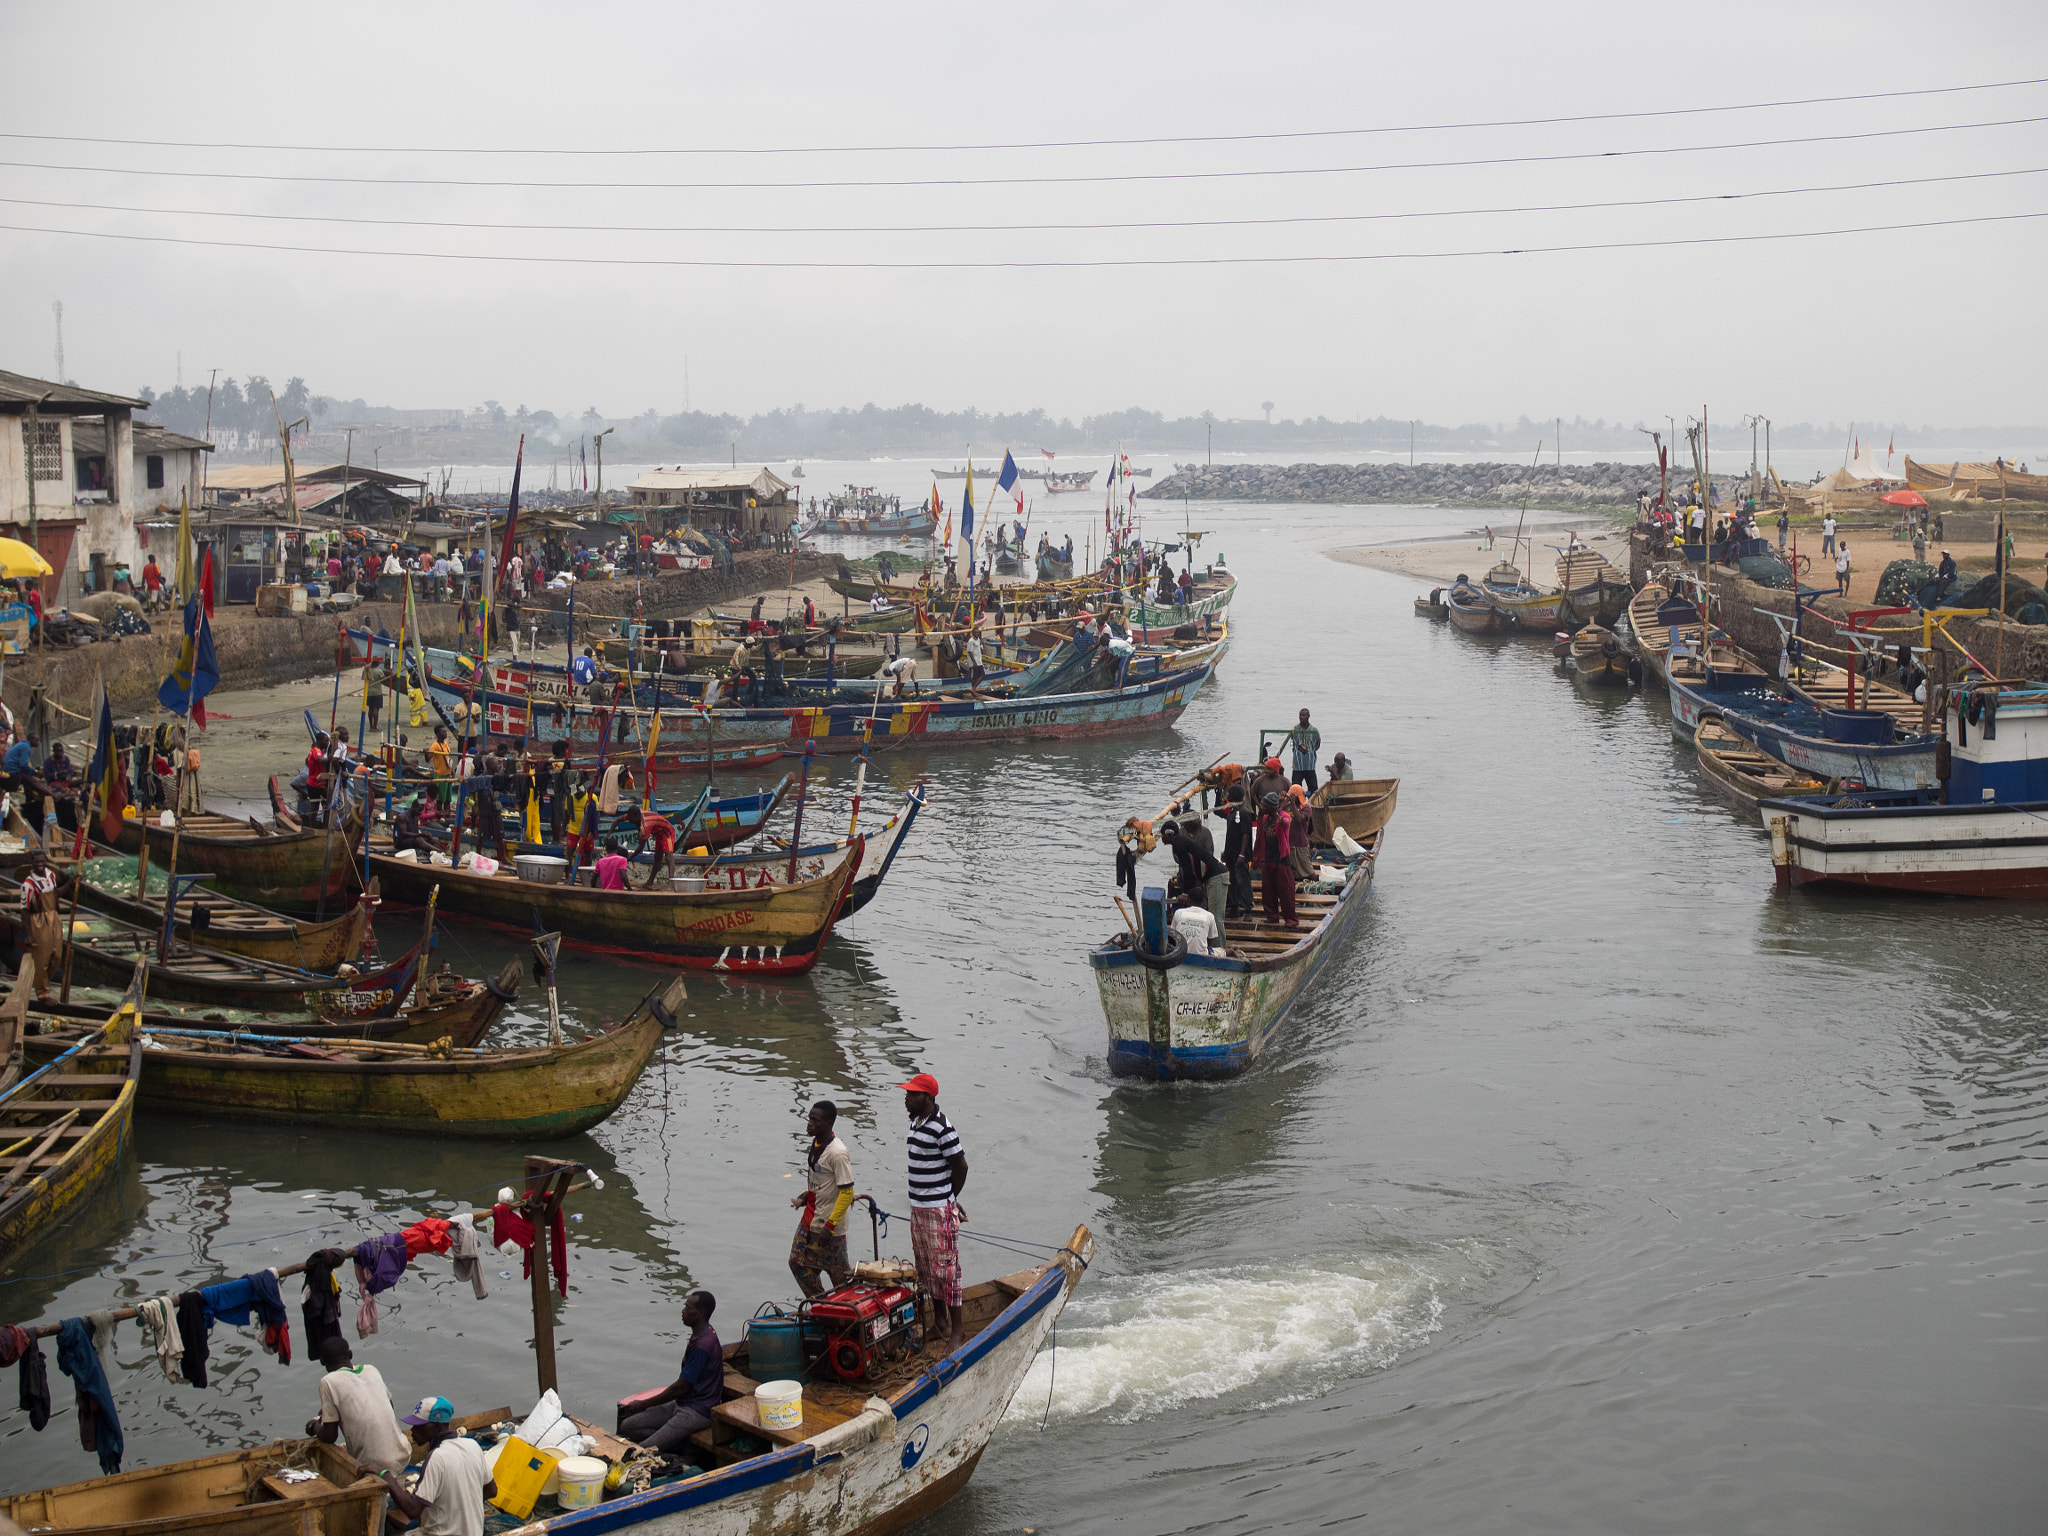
(167,820)
(582,1482)
(775,1348)
(521,1473)
(687,882)
(541,868)
(779,1404)
(553,1486)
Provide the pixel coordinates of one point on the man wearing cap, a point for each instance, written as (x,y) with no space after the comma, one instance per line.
(666,1421)
(1269,780)
(454,1480)
(938,1172)
(355,1408)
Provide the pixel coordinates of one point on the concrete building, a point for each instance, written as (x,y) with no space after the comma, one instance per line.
(96,471)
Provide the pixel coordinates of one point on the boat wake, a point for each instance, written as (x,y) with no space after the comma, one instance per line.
(1135,1346)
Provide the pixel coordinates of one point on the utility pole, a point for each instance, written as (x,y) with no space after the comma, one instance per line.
(1560,442)
(57,309)
(1411,444)
(1210,427)
(599,441)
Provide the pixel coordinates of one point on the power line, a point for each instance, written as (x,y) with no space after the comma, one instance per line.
(1001,265)
(878,149)
(1018,229)
(1017,181)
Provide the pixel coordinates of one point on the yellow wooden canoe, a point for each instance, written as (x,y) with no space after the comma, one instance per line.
(526,1092)
(64,1128)
(240,1493)
(1360,806)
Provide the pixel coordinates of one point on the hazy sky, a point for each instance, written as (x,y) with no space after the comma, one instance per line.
(1939,325)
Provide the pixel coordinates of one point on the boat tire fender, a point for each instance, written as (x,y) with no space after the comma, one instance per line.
(1942,766)
(1175,952)
(1635,670)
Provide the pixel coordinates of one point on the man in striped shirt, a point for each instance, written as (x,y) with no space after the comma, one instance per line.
(938,1172)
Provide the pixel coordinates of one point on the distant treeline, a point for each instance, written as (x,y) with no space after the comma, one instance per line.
(798,432)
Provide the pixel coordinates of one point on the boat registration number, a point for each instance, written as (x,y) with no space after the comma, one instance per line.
(1027,717)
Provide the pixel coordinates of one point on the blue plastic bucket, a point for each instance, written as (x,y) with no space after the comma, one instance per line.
(775,1349)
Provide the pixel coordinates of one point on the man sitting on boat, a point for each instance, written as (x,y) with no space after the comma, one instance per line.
(454,1479)
(1339,769)
(666,1421)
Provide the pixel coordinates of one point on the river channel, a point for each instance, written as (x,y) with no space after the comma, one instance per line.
(1592,1186)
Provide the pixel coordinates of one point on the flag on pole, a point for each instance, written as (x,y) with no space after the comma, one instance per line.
(206,580)
(511,519)
(195,672)
(184,583)
(967,507)
(1008,477)
(1048,453)
(105,770)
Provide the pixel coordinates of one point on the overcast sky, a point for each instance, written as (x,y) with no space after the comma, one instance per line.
(1936,325)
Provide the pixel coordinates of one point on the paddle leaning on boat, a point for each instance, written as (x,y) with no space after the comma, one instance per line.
(1208,965)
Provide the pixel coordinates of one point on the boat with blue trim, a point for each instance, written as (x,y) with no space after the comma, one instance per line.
(1982,832)
(1176,1014)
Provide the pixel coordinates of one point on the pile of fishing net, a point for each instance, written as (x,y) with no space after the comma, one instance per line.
(1901,580)
(1766,571)
(2019,594)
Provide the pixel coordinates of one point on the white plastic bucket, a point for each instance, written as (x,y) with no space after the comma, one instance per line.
(167,820)
(687,882)
(779,1404)
(555,1455)
(582,1481)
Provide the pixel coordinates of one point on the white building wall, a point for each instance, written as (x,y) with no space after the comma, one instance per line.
(53,497)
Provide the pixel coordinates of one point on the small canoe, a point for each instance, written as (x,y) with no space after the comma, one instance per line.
(1596,591)
(1737,769)
(1598,656)
(64,1126)
(237,1493)
(524,1093)
(1522,607)
(108,884)
(1470,610)
(19,843)
(1433,606)
(1360,806)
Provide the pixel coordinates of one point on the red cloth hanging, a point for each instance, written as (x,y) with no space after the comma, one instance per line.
(429,1236)
(507,1225)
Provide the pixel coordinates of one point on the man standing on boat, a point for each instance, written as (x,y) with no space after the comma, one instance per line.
(938,1172)
(1238,825)
(1307,742)
(657,829)
(820,1242)
(1275,860)
(1200,880)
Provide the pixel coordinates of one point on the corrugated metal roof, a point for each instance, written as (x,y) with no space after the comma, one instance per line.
(262,477)
(91,437)
(18,389)
(762,482)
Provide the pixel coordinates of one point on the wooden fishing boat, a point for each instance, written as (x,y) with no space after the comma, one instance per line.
(64,1126)
(1433,606)
(238,1493)
(1656,620)
(775,929)
(1739,771)
(1985,481)
(108,884)
(873,1455)
(527,1092)
(275,865)
(1704,685)
(1359,806)
(1597,655)
(1052,569)
(1523,607)
(1176,1015)
(1596,591)
(1470,610)
(105,950)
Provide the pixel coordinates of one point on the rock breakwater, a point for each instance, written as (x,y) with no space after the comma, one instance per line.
(1569,487)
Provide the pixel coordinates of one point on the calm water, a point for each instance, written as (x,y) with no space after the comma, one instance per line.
(1594,1186)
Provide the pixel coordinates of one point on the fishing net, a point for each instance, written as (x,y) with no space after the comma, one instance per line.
(1901,579)
(1766,571)
(2019,593)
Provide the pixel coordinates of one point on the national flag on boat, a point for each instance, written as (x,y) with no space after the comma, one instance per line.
(1008,477)
(104,773)
(1048,453)
(196,672)
(512,523)
(967,509)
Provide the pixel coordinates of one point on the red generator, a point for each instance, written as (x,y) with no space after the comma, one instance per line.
(866,1326)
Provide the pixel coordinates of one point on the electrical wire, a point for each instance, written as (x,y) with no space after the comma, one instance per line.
(1021,229)
(954,182)
(878,149)
(1013,264)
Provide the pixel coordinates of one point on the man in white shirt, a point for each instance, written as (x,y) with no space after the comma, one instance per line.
(1827,534)
(514,569)
(901,671)
(454,1482)
(1197,925)
(355,1408)
(877,602)
(391,565)
(975,669)
(1842,569)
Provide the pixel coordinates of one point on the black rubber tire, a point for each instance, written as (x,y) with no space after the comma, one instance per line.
(1176,951)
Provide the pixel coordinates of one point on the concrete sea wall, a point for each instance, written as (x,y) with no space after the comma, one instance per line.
(1568,487)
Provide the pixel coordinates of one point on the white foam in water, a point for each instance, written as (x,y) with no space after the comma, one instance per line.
(1134,1346)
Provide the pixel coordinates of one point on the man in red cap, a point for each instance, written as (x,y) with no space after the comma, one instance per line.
(938,1172)
(1269,780)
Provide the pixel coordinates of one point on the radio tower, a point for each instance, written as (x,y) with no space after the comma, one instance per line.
(57,309)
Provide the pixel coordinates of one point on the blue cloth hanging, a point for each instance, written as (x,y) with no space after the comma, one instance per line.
(99,1427)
